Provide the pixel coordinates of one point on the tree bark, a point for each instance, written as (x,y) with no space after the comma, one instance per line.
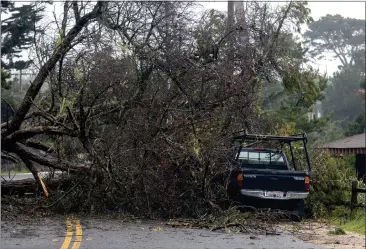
(229,27)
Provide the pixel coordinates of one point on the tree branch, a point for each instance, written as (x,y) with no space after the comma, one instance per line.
(39,146)
(37,83)
(49,161)
(9,157)
(33,131)
(75,7)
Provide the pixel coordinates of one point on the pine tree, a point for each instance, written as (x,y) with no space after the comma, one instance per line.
(16,35)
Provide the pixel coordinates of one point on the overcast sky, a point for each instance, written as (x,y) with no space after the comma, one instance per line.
(318,9)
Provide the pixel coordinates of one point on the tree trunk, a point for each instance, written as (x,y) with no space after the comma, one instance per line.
(229,27)
(241,20)
(31,186)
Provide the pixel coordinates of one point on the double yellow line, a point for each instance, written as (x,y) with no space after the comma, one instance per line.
(69,233)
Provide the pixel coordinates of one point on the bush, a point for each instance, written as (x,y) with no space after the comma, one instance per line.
(331,183)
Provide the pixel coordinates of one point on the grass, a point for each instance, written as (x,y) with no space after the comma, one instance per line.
(356,222)
(14,171)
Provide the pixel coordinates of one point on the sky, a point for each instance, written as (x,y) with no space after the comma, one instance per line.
(318,9)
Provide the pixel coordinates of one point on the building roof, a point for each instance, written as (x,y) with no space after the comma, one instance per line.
(349,145)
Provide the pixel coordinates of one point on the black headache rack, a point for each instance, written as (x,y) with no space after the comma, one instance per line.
(282,139)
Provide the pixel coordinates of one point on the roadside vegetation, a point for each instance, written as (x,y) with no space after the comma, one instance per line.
(13,170)
(137,102)
(348,220)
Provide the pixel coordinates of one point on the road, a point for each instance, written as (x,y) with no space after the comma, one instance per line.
(47,233)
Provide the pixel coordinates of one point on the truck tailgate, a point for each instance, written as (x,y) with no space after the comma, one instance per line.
(276,180)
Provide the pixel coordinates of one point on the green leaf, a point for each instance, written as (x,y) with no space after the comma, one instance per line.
(78,74)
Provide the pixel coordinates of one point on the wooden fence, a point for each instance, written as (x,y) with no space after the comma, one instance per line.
(355,191)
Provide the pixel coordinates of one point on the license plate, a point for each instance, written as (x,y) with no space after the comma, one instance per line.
(275,194)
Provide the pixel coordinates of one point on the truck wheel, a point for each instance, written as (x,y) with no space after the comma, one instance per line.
(232,190)
(299,213)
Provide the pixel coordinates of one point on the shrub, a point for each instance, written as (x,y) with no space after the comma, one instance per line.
(331,183)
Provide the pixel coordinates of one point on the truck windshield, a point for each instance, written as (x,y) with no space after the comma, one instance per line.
(262,159)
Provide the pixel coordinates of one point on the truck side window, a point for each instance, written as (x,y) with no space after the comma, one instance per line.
(243,155)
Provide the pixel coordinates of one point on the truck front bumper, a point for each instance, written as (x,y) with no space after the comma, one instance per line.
(274,195)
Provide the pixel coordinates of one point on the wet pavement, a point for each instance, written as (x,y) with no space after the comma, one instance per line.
(47,233)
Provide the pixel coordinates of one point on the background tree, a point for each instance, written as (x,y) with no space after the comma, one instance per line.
(356,126)
(17,34)
(343,38)
(339,36)
(341,95)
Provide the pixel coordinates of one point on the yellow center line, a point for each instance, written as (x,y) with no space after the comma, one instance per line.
(68,236)
(78,235)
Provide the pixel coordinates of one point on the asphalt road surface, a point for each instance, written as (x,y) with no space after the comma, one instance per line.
(71,233)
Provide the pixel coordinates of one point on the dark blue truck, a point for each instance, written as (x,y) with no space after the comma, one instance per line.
(264,178)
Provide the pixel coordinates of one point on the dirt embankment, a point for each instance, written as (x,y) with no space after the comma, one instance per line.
(319,233)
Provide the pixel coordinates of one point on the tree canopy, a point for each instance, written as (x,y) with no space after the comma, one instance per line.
(340,36)
(343,38)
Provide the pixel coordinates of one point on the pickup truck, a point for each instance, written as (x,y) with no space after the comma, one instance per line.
(265,178)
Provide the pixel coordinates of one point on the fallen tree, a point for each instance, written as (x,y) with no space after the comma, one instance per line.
(30,186)
(142,108)
(13,136)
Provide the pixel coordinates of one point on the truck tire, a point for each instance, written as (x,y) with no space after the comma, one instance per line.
(232,192)
(298,212)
